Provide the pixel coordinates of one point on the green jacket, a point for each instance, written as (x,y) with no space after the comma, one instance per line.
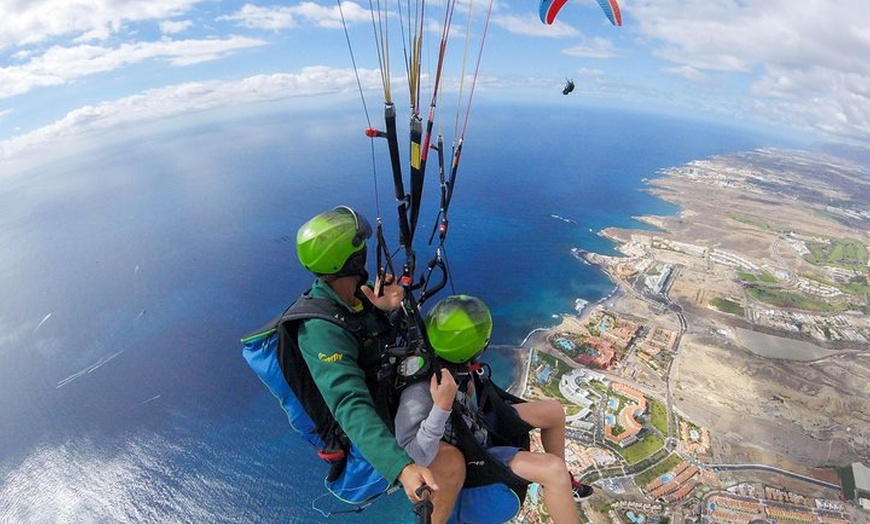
(343,371)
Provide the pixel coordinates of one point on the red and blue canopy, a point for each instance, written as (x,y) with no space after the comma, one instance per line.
(550,9)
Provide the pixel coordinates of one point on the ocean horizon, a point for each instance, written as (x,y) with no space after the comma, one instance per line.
(132,268)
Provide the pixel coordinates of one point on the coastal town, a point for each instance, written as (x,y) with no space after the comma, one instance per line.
(725,380)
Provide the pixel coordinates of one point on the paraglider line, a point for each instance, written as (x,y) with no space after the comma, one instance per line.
(353,61)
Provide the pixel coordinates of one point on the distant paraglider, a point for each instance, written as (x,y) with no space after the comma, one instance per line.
(569,86)
(550,9)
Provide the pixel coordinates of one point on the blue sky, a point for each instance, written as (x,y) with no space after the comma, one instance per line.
(70,66)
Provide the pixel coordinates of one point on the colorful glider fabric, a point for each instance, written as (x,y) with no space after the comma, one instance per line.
(550,9)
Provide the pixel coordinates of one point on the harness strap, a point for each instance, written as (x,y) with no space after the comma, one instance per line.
(336,444)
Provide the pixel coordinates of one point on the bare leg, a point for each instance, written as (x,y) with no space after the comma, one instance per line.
(449,470)
(550,417)
(550,472)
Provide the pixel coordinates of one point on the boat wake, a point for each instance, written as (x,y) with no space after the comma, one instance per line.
(92,367)
(563,219)
(41,322)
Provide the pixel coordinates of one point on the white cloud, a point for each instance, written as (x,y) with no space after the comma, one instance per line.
(591,75)
(331,16)
(190,97)
(59,65)
(806,61)
(799,64)
(171,27)
(285,17)
(32,22)
(689,73)
(835,102)
(256,17)
(592,48)
(530,25)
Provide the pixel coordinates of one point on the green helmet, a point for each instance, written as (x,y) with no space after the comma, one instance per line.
(334,243)
(459,327)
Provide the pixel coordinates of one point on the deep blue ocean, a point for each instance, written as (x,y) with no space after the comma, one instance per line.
(133,262)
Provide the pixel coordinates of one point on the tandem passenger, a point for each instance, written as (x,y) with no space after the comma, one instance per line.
(459,328)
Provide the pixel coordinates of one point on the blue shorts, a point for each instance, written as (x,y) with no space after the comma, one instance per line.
(503,454)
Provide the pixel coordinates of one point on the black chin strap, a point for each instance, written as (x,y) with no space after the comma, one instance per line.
(355,265)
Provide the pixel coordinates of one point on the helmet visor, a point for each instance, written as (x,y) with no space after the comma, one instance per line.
(361,224)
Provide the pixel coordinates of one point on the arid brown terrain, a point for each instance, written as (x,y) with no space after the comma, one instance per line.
(808,412)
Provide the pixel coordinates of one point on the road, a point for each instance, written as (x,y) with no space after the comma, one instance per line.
(771,469)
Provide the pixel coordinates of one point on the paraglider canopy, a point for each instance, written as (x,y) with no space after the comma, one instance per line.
(569,86)
(550,9)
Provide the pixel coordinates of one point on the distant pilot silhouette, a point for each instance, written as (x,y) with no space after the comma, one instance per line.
(569,86)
